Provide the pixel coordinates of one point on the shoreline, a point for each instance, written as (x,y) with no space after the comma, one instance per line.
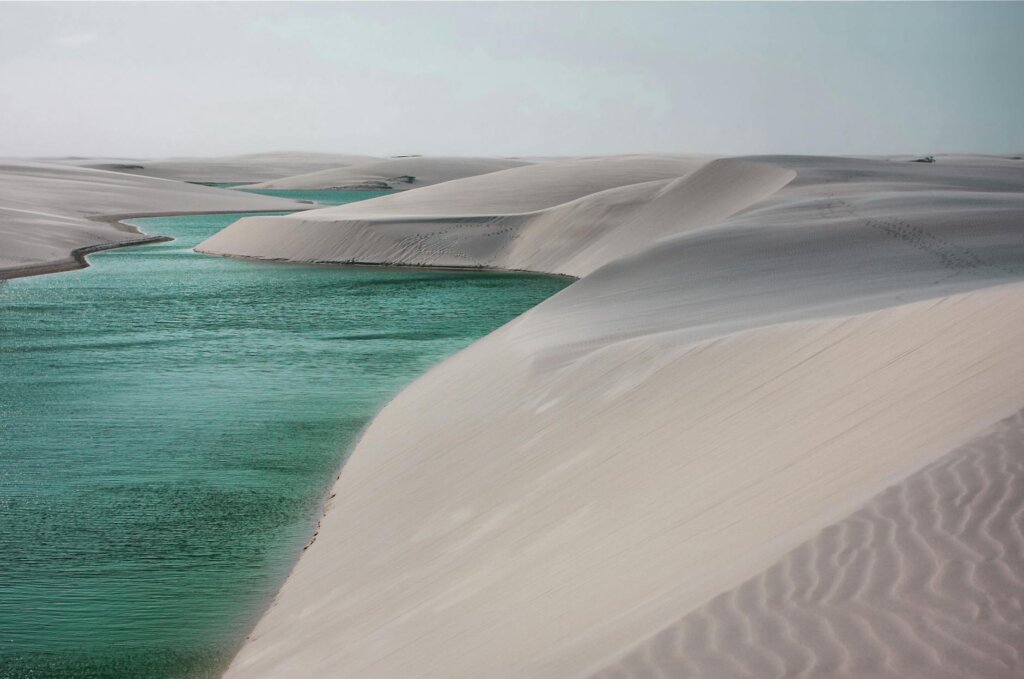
(840,513)
(149,273)
(77,258)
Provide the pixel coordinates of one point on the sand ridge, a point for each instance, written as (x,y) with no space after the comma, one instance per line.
(756,347)
(510,219)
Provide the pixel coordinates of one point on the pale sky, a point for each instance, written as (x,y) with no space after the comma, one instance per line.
(537,79)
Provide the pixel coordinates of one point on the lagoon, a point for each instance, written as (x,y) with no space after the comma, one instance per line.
(170,423)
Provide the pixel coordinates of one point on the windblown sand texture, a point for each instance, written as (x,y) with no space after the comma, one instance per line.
(755,350)
(392,173)
(50,211)
(926,580)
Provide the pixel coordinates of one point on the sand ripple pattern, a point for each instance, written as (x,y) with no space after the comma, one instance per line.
(924,582)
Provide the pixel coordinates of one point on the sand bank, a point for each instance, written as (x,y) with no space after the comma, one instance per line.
(52,215)
(756,349)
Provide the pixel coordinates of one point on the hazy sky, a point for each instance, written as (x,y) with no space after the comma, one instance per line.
(510,79)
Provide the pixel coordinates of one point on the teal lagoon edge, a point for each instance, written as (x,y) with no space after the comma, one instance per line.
(169,426)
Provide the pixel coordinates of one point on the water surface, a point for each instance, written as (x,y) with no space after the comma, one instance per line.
(169,423)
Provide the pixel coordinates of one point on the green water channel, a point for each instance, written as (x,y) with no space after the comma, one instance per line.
(169,424)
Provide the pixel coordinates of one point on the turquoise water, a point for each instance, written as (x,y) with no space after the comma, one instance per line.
(169,424)
(322,197)
(329,197)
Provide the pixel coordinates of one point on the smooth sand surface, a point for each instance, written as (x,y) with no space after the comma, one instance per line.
(755,350)
(518,190)
(398,174)
(254,167)
(50,212)
(511,219)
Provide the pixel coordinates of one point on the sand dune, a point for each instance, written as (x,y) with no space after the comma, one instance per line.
(570,238)
(254,167)
(924,581)
(392,173)
(470,222)
(49,211)
(755,348)
(570,217)
(503,518)
(521,189)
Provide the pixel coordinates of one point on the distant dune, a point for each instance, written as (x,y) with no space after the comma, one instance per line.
(758,437)
(255,167)
(552,211)
(50,211)
(392,173)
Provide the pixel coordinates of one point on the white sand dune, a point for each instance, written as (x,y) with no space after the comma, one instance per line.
(755,349)
(49,211)
(253,167)
(521,189)
(392,173)
(504,219)
(503,518)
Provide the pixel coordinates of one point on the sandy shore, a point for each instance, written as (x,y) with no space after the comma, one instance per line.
(52,215)
(758,437)
(77,258)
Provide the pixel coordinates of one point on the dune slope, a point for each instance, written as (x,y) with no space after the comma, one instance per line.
(572,237)
(755,349)
(504,518)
